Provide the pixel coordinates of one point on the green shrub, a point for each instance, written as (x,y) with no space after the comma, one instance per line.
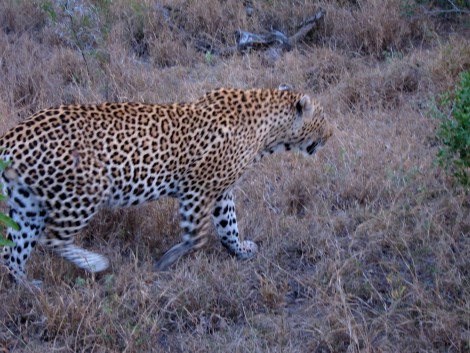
(4,219)
(454,131)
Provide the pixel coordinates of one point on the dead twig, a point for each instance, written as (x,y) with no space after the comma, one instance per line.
(454,9)
(440,12)
(69,13)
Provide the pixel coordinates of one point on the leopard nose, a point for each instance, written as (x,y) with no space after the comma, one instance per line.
(312,147)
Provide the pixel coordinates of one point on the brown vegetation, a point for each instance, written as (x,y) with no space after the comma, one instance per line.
(363,248)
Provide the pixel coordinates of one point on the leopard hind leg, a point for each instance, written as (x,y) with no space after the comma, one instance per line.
(82,258)
(60,237)
(62,226)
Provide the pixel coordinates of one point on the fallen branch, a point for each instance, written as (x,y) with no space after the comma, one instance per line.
(307,26)
(246,40)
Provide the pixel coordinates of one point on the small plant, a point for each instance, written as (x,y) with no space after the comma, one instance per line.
(48,8)
(4,219)
(209,58)
(454,131)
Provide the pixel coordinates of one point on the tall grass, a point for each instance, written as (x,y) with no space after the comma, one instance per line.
(363,248)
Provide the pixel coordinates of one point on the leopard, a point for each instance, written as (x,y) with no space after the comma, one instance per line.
(65,164)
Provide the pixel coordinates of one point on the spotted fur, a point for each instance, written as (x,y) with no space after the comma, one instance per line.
(67,163)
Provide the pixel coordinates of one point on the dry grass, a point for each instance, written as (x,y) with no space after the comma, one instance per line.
(362,249)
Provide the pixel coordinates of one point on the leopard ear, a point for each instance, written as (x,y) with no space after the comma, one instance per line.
(302,105)
(284,87)
(303,108)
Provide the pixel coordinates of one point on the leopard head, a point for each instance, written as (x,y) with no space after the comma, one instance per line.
(310,130)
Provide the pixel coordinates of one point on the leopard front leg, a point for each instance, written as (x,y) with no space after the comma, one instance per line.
(195,223)
(225,220)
